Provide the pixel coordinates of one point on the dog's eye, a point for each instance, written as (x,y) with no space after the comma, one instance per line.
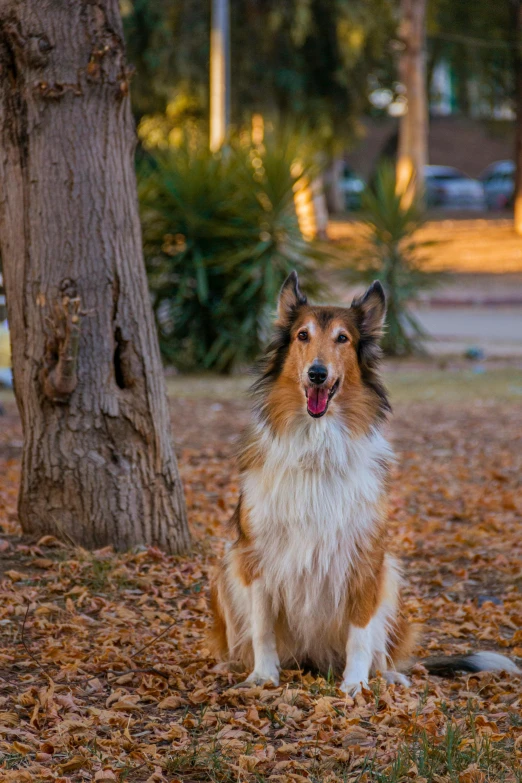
(303,336)
(342,338)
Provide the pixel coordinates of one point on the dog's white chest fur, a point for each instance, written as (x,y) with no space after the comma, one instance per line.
(308,506)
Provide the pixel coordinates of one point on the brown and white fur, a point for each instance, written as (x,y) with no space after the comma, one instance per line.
(309,580)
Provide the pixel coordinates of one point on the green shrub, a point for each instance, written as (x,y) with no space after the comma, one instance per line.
(391,254)
(220,235)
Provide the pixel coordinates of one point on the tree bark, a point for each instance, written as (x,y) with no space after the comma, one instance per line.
(98,461)
(413,125)
(516,17)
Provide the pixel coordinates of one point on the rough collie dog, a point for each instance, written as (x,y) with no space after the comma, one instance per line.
(309,581)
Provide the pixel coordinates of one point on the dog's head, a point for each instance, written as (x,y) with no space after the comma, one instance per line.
(324,360)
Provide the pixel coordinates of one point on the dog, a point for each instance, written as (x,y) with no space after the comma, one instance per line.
(309,581)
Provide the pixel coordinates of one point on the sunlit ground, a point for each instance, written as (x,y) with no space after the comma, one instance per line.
(467,245)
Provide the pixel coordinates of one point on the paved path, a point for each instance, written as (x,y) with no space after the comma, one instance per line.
(497,331)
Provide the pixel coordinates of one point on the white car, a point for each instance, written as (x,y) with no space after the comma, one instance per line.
(449,187)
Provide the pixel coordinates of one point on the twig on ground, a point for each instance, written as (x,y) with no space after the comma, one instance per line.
(28,651)
(150,670)
(154,639)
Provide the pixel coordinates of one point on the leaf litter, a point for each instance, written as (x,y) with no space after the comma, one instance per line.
(105,672)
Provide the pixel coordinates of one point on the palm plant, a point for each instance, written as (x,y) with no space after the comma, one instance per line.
(220,235)
(392,253)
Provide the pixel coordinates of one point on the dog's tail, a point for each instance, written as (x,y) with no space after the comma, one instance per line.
(450,665)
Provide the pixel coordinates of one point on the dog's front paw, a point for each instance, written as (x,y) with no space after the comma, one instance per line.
(261,677)
(352,688)
(396,678)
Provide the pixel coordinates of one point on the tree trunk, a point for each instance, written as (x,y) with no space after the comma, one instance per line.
(413,126)
(98,462)
(516,14)
(335,198)
(219,73)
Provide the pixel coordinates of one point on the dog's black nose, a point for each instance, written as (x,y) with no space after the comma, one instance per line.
(318,373)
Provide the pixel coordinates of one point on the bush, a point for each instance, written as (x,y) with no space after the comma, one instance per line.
(391,254)
(220,235)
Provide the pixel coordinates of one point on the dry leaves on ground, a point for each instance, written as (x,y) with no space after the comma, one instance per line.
(104,666)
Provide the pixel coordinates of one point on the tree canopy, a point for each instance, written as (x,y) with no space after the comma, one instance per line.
(309,60)
(478,41)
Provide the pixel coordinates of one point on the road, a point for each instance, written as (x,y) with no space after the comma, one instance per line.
(496,330)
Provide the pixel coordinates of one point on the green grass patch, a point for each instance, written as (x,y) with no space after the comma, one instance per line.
(427,383)
(423,381)
(205,386)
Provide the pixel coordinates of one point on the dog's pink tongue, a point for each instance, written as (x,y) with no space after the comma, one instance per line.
(317,400)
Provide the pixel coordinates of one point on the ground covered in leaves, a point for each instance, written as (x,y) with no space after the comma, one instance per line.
(105,673)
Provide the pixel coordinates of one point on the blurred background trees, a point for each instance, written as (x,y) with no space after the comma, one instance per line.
(218,253)
(301,61)
(481,42)
(389,252)
(333,69)
(220,235)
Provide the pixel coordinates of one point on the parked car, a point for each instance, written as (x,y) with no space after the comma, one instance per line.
(498,180)
(449,187)
(352,187)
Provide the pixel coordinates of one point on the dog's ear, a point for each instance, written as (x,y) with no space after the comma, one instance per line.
(370,309)
(290,298)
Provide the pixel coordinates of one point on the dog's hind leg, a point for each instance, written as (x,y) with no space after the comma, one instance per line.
(381,664)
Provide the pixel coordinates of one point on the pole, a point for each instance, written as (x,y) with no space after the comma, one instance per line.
(219,73)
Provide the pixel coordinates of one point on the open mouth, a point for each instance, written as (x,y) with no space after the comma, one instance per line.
(318,398)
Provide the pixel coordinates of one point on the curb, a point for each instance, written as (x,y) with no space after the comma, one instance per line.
(467,302)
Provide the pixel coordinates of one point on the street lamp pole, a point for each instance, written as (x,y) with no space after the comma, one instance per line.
(219,73)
